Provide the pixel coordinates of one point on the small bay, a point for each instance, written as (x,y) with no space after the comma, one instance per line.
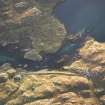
(80,14)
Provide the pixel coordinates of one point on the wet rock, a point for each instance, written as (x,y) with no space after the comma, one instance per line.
(11,73)
(17,78)
(75,83)
(51,32)
(3,77)
(40,88)
(54,88)
(21,5)
(90,64)
(5,67)
(6,90)
(93,51)
(91,57)
(103,99)
(40,102)
(32,30)
(85,93)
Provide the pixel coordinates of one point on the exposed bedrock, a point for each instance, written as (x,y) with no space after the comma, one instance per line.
(30,26)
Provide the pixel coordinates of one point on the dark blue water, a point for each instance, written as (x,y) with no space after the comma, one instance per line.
(80,14)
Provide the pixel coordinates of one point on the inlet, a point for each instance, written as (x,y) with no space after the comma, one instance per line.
(83,14)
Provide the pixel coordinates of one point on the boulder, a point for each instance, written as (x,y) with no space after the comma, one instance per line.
(26,27)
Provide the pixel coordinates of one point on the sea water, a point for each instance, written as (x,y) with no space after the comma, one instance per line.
(80,14)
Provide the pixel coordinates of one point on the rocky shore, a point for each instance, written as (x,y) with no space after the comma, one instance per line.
(70,85)
(29,27)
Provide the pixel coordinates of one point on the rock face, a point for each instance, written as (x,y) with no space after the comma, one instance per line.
(49,88)
(29,25)
(91,63)
(80,83)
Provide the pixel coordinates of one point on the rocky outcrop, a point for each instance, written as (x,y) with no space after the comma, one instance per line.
(44,88)
(30,27)
(90,63)
(91,56)
(79,83)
